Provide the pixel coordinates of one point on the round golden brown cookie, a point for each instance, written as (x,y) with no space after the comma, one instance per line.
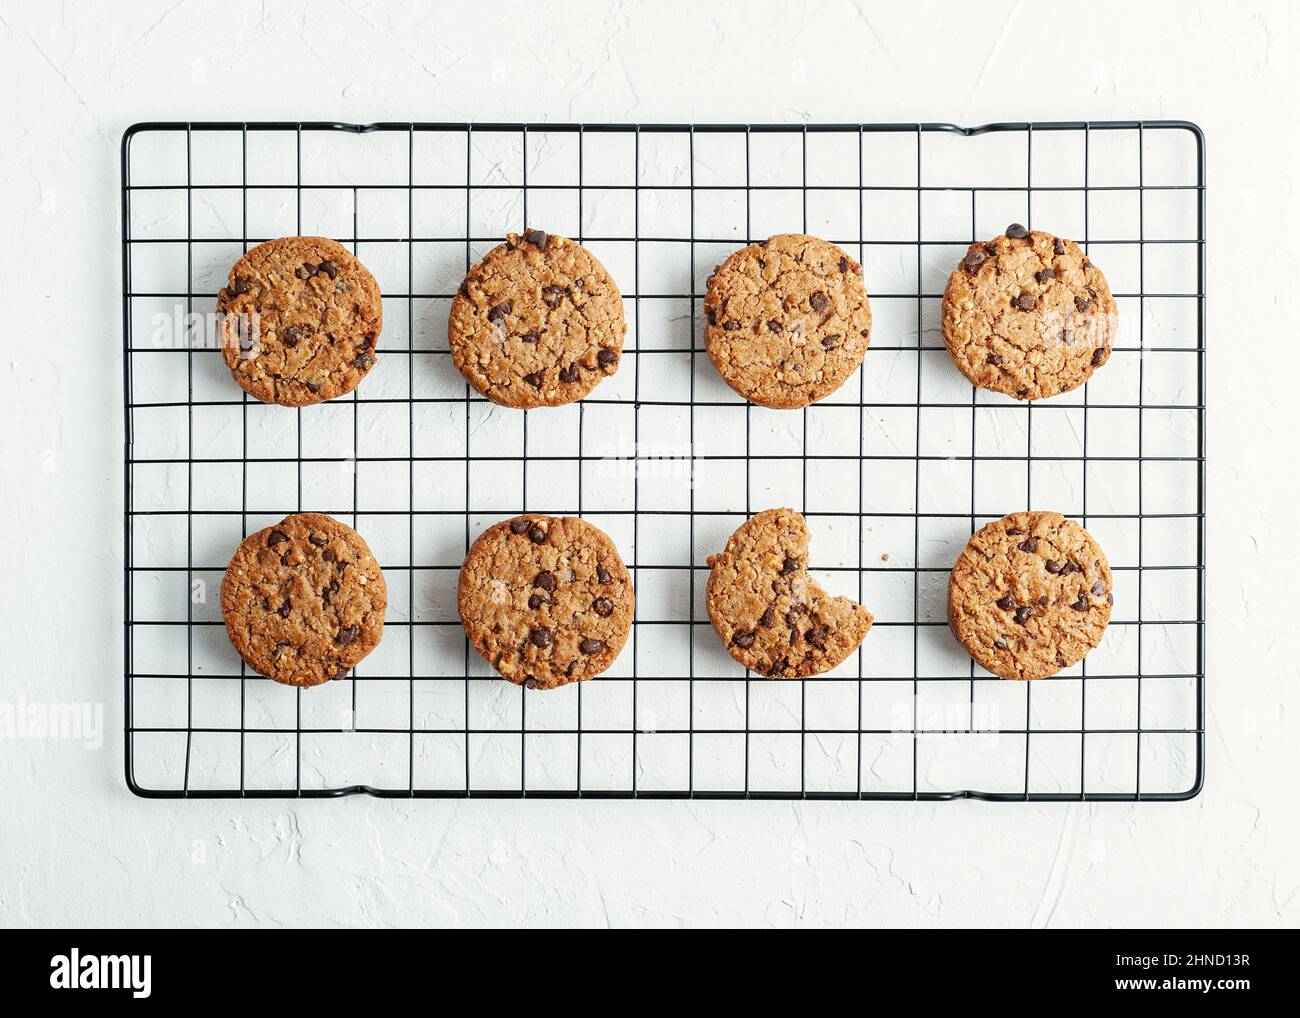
(299,320)
(1030,595)
(545,600)
(1027,314)
(538,322)
(304,600)
(787,320)
(772,617)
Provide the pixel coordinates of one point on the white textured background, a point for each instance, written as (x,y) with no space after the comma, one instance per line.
(76,848)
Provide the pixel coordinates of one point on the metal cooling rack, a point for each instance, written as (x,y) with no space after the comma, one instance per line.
(893,472)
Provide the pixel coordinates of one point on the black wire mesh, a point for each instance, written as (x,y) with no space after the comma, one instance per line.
(668,460)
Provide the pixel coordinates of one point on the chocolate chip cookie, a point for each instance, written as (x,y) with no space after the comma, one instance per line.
(538,322)
(787,320)
(772,617)
(299,319)
(1030,595)
(545,600)
(1028,314)
(304,600)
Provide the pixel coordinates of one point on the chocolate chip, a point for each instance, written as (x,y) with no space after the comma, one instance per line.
(974,260)
(341,672)
(347,634)
(789,566)
(1029,544)
(1099,588)
(499,312)
(316,540)
(1007,603)
(743,640)
(279,649)
(284,559)
(569,374)
(603,607)
(591,646)
(602,574)
(1082,304)
(328,556)
(1081,605)
(266,605)
(552,295)
(239,286)
(844,265)
(530,337)
(773,325)
(1071,567)
(329,268)
(283,610)
(1023,614)
(1000,644)
(1025,302)
(276,537)
(708,312)
(1052,566)
(730,325)
(1017,232)
(1067,337)
(536,534)
(570,668)
(533,379)
(1014,531)
(539,637)
(362,360)
(794,636)
(994,359)
(769,618)
(537,237)
(831,341)
(606,357)
(1098,356)
(1044,600)
(817,636)
(1058,246)
(306,270)
(535,601)
(779,666)
(530,681)
(864,332)
(1045,275)
(819,301)
(545,580)
(1086,262)
(519,526)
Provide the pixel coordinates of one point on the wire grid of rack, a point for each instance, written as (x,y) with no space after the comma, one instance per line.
(893,472)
